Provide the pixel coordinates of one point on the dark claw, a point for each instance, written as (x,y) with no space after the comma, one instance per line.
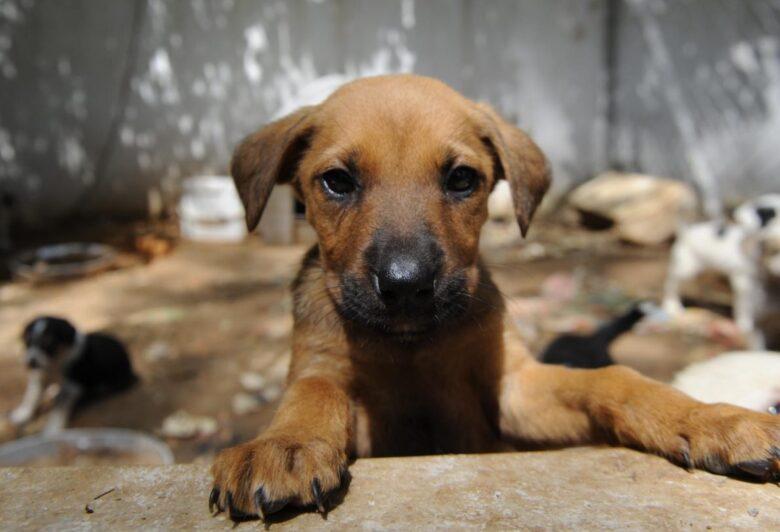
(757,468)
(686,460)
(343,475)
(316,491)
(260,501)
(267,507)
(234,513)
(214,500)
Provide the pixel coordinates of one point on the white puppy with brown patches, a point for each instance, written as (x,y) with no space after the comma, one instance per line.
(734,249)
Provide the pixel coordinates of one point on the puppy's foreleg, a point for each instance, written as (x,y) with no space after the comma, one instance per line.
(747,302)
(64,404)
(33,395)
(682,266)
(300,458)
(553,405)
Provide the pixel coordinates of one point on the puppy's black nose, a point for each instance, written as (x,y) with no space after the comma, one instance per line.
(406,282)
(33,363)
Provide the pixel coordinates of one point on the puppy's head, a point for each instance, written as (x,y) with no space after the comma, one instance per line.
(395,173)
(45,340)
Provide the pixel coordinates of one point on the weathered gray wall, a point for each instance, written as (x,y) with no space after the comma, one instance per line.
(697,93)
(101,101)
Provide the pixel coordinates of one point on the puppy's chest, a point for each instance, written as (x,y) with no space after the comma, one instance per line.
(407,413)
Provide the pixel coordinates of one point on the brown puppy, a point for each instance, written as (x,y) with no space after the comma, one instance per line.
(400,343)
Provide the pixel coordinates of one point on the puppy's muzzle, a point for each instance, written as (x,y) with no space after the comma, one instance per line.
(404,282)
(35,358)
(403,272)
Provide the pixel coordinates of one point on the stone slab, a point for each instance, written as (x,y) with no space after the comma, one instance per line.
(585,488)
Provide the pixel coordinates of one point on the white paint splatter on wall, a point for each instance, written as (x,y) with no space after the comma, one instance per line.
(407,14)
(159,82)
(71,155)
(256,43)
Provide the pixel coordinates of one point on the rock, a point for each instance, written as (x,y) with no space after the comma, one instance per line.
(158,350)
(272,393)
(644,209)
(560,287)
(571,489)
(252,381)
(244,403)
(183,425)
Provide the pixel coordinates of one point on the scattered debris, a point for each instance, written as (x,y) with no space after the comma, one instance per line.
(182,425)
(152,246)
(158,351)
(252,381)
(89,508)
(156,316)
(244,403)
(707,324)
(643,209)
(533,251)
(278,327)
(272,393)
(560,287)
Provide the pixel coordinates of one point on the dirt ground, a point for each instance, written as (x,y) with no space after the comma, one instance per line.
(198,319)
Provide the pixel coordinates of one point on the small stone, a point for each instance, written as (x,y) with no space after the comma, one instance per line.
(252,381)
(183,425)
(272,393)
(753,512)
(244,403)
(158,351)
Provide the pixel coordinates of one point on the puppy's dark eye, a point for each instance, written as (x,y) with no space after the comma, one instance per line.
(338,183)
(462,181)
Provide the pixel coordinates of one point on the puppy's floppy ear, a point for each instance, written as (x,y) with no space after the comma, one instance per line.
(517,159)
(267,157)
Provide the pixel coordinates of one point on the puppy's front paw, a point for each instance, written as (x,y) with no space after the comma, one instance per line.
(263,476)
(729,440)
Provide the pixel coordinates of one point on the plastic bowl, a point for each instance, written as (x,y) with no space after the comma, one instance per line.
(61,261)
(86,447)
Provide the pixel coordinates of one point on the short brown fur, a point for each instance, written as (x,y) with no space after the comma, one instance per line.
(471,386)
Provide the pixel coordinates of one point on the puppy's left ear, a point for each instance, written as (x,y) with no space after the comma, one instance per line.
(517,159)
(267,157)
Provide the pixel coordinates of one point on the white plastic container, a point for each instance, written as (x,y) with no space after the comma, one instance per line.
(86,447)
(210,210)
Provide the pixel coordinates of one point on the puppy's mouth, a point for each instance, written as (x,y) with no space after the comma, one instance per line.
(359,304)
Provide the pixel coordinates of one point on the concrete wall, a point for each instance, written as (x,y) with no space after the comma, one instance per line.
(697,93)
(102,101)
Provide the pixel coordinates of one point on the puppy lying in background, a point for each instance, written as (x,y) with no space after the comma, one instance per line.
(734,249)
(85,366)
(592,350)
(750,379)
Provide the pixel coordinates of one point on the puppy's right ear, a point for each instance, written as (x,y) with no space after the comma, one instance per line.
(267,157)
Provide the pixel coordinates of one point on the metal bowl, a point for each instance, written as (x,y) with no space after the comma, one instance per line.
(86,447)
(62,261)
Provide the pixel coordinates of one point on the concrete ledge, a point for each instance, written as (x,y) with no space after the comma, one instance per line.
(575,488)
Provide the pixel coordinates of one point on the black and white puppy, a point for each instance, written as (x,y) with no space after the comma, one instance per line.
(734,249)
(593,350)
(86,367)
